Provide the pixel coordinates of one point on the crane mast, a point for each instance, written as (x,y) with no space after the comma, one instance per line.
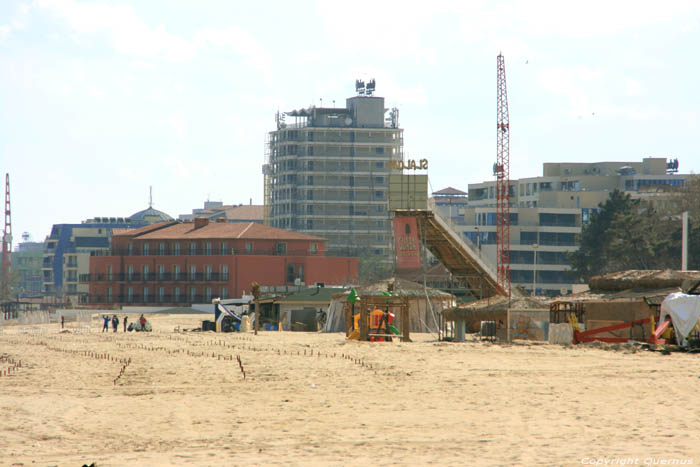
(502,173)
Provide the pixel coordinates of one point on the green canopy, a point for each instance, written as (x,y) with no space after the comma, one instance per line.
(352,297)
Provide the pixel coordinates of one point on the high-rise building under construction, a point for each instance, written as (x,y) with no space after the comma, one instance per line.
(327,173)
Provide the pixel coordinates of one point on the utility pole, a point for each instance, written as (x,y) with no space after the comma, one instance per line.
(684,242)
(6,244)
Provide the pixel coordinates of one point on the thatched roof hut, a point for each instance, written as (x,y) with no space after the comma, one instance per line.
(642,279)
(626,296)
(523,308)
(422,303)
(495,304)
(401,287)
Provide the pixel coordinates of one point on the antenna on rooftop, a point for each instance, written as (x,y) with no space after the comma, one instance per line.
(371,86)
(360,87)
(365,89)
(150,196)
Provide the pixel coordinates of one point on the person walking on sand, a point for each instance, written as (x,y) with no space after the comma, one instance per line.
(115,323)
(124,323)
(62,320)
(105,326)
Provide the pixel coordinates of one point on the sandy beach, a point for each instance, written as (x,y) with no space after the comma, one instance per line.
(180,398)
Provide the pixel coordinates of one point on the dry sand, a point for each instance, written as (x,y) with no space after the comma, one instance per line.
(347,403)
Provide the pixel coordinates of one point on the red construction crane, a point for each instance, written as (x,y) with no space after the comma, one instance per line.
(6,244)
(502,172)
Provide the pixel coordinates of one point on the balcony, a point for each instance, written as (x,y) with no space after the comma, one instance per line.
(205,252)
(150,299)
(156,277)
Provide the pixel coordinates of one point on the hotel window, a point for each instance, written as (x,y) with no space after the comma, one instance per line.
(176,293)
(109,294)
(161,249)
(223,248)
(207,272)
(176,272)
(145,249)
(145,295)
(207,292)
(130,250)
(176,249)
(193,272)
(313,247)
(109,273)
(208,248)
(130,294)
(248,247)
(145,273)
(161,294)
(224,292)
(129,272)
(224,272)
(161,272)
(193,294)
(193,248)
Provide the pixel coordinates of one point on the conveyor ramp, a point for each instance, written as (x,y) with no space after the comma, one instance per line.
(453,252)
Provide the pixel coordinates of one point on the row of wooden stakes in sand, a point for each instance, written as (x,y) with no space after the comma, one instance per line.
(310,353)
(122,371)
(83,353)
(125,362)
(14,365)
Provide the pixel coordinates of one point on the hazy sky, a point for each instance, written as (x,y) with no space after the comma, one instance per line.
(100,100)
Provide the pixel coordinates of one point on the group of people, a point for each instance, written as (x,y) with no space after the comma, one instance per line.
(115,323)
(114,319)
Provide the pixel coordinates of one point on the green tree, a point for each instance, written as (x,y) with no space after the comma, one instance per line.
(625,236)
(693,245)
(638,240)
(689,197)
(591,258)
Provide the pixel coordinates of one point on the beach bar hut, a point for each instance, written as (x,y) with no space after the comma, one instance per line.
(529,316)
(424,304)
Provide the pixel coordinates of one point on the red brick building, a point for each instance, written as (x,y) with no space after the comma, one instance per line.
(192,262)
